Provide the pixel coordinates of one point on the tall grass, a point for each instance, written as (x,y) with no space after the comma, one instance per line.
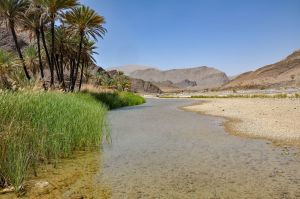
(42,127)
(118,99)
(39,127)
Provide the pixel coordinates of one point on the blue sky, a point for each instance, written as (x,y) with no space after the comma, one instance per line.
(232,35)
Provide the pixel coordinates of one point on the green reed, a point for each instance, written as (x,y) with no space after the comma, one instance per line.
(37,127)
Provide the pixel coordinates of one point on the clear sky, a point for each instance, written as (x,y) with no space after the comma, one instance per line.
(232,35)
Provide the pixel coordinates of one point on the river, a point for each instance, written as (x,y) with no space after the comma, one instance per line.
(161,151)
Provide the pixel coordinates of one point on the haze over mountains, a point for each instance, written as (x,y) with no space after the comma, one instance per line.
(128,69)
(188,78)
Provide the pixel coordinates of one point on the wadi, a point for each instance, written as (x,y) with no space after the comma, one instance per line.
(109,100)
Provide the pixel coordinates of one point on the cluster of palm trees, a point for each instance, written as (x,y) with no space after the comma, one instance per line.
(64,32)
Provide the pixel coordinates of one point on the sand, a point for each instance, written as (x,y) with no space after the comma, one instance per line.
(277,119)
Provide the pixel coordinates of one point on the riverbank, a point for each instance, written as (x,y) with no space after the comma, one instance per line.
(73,177)
(275,119)
(41,128)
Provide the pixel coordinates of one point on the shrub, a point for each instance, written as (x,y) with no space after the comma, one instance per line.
(118,99)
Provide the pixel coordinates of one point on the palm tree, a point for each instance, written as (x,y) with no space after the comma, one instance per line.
(7,60)
(30,58)
(12,11)
(86,23)
(88,50)
(53,8)
(32,22)
(63,40)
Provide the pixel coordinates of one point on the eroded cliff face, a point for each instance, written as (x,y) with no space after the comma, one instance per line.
(7,41)
(141,86)
(285,73)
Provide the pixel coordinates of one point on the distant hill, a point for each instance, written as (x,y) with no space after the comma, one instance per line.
(285,73)
(193,78)
(128,69)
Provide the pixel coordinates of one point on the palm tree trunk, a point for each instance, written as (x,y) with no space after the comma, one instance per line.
(34,70)
(81,75)
(75,74)
(52,42)
(13,32)
(57,68)
(37,33)
(72,65)
(47,54)
(62,70)
(78,61)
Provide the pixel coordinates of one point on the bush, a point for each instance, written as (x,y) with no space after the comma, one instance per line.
(119,99)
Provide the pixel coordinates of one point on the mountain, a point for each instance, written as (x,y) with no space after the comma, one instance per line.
(285,73)
(186,83)
(193,78)
(141,86)
(128,69)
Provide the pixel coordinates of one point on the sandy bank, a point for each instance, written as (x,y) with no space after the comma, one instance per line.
(277,119)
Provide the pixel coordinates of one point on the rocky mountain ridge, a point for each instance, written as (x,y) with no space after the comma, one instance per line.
(189,78)
(285,73)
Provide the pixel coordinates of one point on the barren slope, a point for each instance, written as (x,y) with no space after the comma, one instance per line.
(127,69)
(285,73)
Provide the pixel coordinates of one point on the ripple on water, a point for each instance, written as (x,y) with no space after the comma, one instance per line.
(160,151)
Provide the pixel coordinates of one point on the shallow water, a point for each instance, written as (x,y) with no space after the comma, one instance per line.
(73,178)
(161,151)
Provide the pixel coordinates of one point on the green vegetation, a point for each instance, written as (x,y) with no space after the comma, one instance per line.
(64,49)
(119,99)
(115,80)
(41,127)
